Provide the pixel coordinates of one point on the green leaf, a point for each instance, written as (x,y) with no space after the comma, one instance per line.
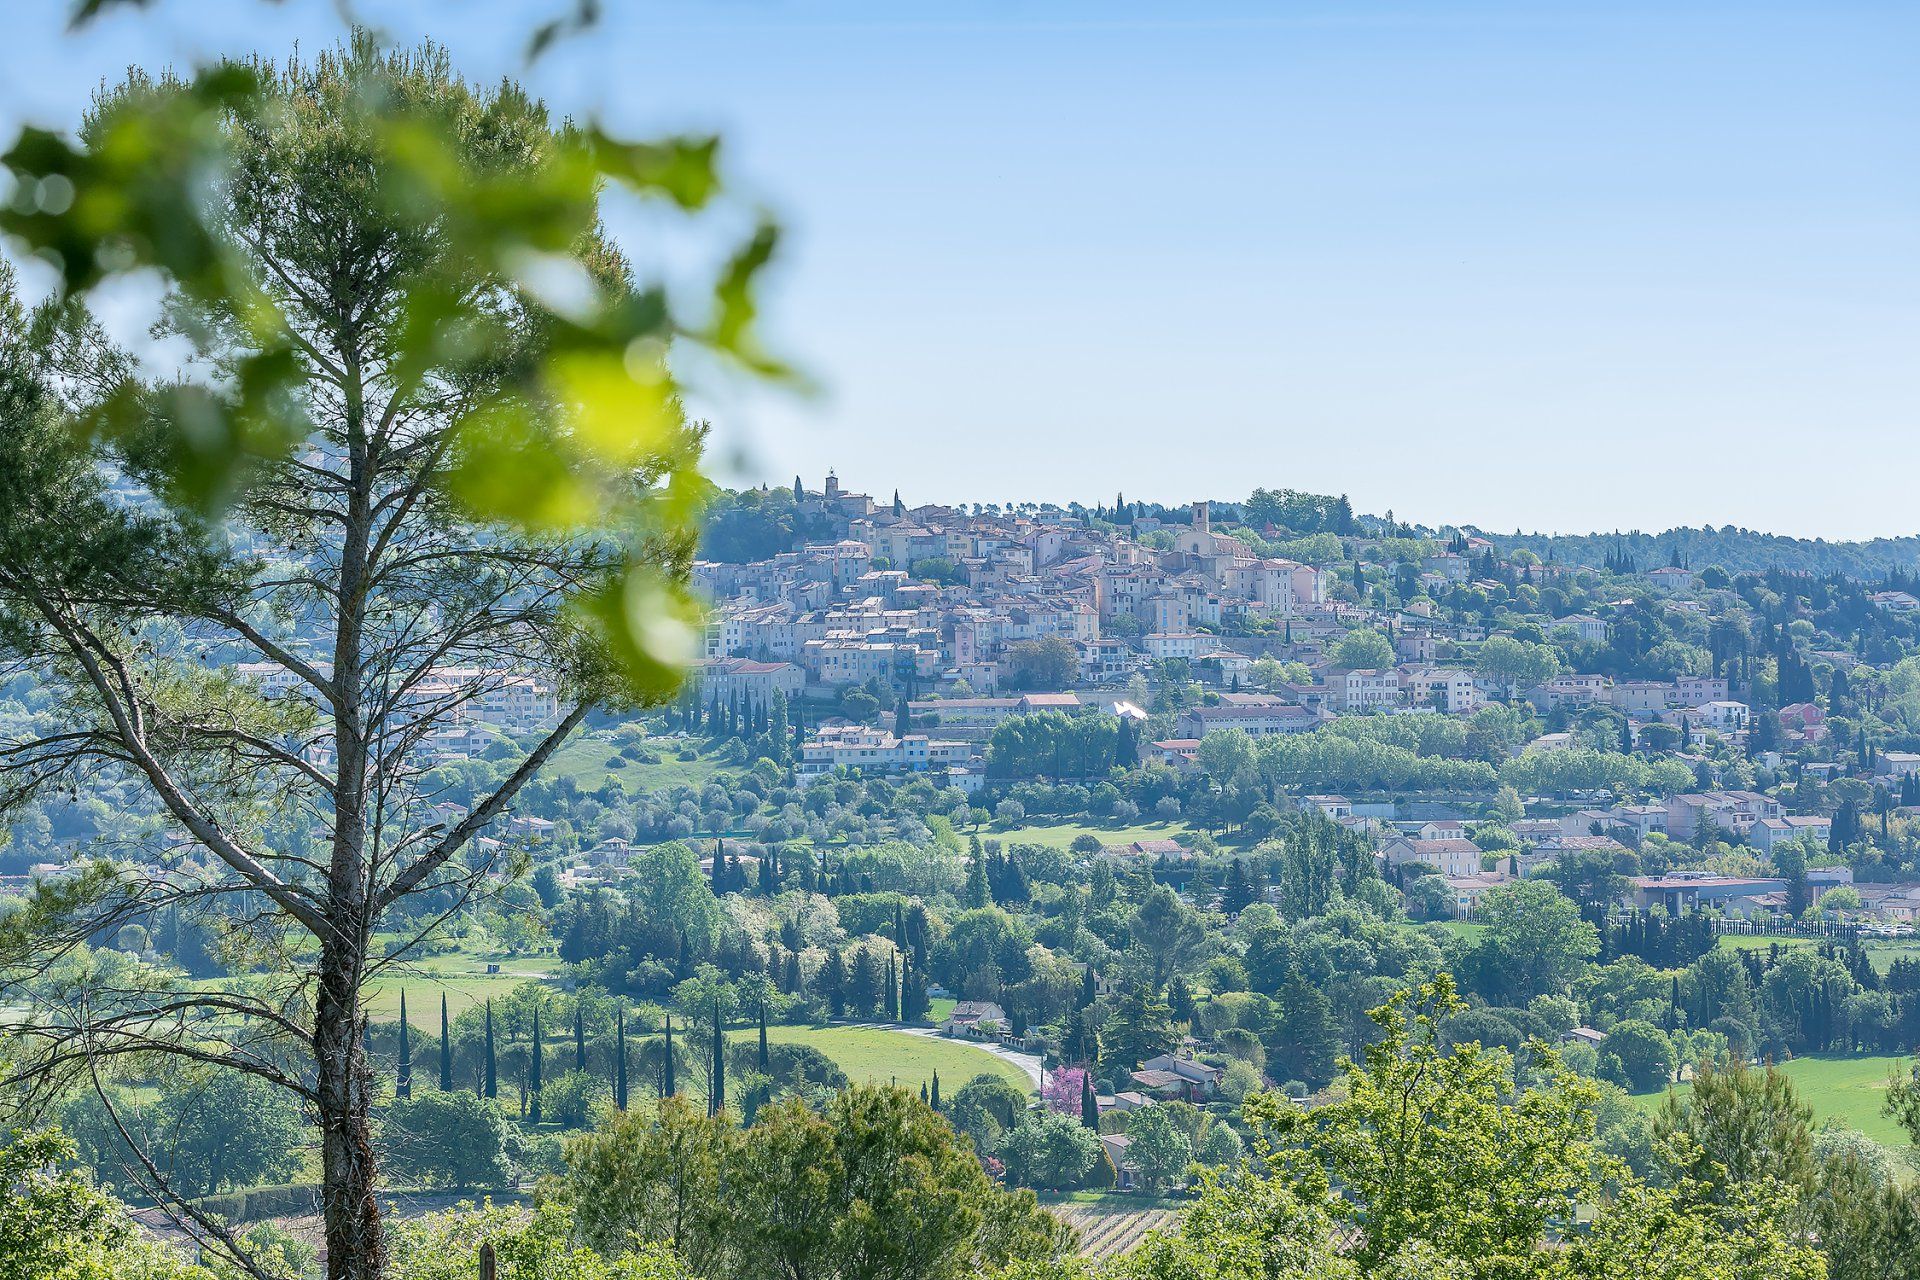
(649,626)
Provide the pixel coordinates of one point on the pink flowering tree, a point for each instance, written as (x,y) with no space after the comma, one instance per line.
(1063,1090)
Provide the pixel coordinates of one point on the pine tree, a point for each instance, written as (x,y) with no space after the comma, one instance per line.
(620,1057)
(492,1088)
(446,1048)
(403,1082)
(534,1082)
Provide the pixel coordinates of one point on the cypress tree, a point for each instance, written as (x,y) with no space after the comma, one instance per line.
(933,1099)
(893,992)
(978,894)
(1180,1000)
(766,1059)
(833,984)
(717,1095)
(403,1082)
(1089,1102)
(913,992)
(579,1038)
(492,1087)
(620,1058)
(666,1088)
(446,1048)
(533,1074)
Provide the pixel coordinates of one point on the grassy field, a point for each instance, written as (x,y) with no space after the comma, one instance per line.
(1746,942)
(1849,1090)
(875,1053)
(462,977)
(1061,834)
(586,761)
(1880,954)
(1466,929)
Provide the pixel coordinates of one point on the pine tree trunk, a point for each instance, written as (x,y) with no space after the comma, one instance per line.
(356,1241)
(355,1237)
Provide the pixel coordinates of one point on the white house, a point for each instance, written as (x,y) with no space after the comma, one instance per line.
(1450,857)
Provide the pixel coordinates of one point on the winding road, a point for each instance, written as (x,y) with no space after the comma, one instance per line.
(1027,1062)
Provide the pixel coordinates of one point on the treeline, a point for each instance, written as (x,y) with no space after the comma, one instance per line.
(745,525)
(1057,745)
(1736,550)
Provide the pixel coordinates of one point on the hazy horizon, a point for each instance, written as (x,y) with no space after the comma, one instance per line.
(882,492)
(1570,269)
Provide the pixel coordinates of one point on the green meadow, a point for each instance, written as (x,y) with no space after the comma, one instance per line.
(878,1054)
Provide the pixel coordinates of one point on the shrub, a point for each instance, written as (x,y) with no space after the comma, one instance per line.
(1103,1176)
(446,1140)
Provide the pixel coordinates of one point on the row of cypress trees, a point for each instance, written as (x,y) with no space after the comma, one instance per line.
(489,1088)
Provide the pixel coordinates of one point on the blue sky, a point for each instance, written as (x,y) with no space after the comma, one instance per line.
(1553,266)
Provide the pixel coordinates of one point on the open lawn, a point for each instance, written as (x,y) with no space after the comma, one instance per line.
(1849,1090)
(1061,834)
(1880,953)
(1466,929)
(1760,942)
(462,977)
(591,761)
(875,1053)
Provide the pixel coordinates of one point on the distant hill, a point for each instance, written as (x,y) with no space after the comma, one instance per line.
(1736,550)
